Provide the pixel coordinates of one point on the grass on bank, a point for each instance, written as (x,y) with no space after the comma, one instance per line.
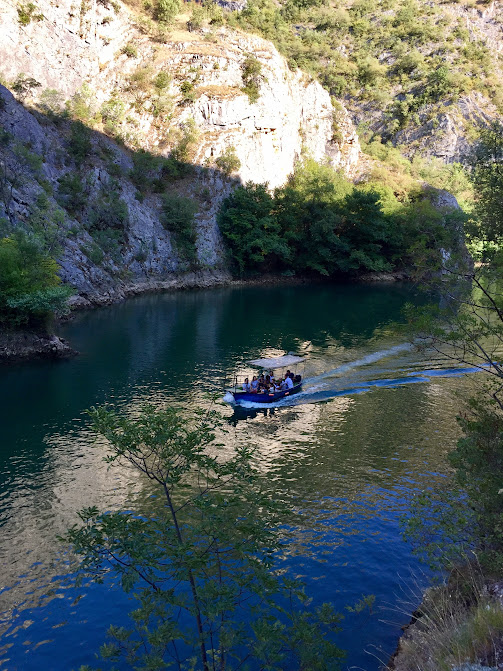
(457,623)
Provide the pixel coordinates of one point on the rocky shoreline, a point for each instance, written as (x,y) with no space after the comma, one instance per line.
(446,616)
(208,280)
(27,345)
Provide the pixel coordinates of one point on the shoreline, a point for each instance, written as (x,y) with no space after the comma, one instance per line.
(210,279)
(23,345)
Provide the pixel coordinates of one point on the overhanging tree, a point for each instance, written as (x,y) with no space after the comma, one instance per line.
(201,561)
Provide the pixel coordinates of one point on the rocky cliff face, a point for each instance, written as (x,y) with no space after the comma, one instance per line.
(447,129)
(180,93)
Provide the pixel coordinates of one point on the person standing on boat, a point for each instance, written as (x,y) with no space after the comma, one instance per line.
(246,385)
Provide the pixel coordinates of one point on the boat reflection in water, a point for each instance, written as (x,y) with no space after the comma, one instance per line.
(240,413)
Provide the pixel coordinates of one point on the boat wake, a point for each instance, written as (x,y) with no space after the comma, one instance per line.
(353,377)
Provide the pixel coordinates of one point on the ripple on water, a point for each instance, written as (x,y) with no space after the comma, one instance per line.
(372,426)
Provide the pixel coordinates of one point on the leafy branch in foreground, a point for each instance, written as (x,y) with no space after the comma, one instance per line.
(201,560)
(465,517)
(466,325)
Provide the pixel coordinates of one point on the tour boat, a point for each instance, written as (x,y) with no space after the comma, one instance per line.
(278,363)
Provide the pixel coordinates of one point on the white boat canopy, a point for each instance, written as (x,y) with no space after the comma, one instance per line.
(278,362)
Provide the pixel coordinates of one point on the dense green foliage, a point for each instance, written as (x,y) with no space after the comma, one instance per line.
(228,162)
(201,559)
(487,176)
(30,291)
(178,218)
(403,56)
(464,519)
(252,77)
(166,10)
(320,222)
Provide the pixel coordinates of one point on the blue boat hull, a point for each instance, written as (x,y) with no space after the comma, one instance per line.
(240,396)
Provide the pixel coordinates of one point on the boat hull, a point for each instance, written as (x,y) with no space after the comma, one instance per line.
(240,396)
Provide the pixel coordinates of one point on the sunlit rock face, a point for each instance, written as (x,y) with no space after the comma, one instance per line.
(69,45)
(63,43)
(64,46)
(292,115)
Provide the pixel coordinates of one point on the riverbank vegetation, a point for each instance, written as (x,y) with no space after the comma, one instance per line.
(202,558)
(322,223)
(30,289)
(458,528)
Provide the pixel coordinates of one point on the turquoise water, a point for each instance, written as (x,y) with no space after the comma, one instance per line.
(371,427)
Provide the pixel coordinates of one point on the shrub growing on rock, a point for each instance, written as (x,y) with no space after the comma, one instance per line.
(166,10)
(228,161)
(178,218)
(252,76)
(30,289)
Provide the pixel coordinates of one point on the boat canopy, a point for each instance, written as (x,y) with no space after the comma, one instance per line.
(278,362)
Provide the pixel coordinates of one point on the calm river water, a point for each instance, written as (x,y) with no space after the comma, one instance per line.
(372,427)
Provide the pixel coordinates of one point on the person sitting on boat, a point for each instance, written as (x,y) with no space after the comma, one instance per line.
(254,385)
(271,376)
(261,384)
(283,386)
(289,381)
(246,385)
(268,385)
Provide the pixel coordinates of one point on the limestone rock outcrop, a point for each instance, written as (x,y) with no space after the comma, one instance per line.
(448,135)
(102,47)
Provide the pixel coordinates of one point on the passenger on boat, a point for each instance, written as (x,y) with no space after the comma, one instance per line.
(261,384)
(254,385)
(246,385)
(289,381)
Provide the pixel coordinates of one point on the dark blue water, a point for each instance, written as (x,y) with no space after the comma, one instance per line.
(372,427)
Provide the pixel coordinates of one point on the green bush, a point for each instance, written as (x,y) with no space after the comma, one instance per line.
(130,50)
(27,13)
(79,144)
(162,80)
(24,86)
(181,152)
(251,73)
(109,211)
(30,291)
(187,91)
(113,112)
(178,218)
(228,162)
(72,194)
(94,253)
(52,103)
(110,242)
(81,106)
(146,167)
(166,10)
